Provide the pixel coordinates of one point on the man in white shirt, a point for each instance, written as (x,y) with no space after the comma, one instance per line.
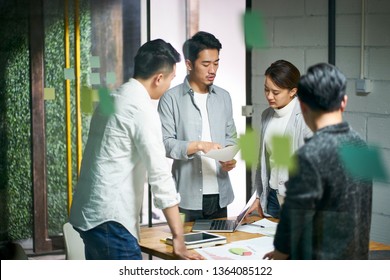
(121,148)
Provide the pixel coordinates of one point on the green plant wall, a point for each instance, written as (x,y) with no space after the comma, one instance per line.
(55,109)
(16,220)
(15,172)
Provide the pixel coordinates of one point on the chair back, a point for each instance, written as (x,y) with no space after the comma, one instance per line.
(74,245)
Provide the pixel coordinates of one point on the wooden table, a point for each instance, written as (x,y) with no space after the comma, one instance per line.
(151,240)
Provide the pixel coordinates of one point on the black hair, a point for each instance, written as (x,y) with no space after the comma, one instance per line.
(199,42)
(284,74)
(323,87)
(154,56)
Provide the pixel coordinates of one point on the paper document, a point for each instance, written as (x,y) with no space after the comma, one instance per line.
(263,226)
(224,154)
(250,249)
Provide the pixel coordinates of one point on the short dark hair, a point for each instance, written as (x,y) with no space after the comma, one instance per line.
(284,74)
(323,87)
(154,56)
(199,42)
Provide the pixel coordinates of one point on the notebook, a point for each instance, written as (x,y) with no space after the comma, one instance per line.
(223,225)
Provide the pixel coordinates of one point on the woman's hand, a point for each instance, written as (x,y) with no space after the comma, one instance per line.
(275,255)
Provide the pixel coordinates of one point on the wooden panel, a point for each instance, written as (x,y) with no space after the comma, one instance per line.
(107,39)
(192,7)
(36,41)
(131,35)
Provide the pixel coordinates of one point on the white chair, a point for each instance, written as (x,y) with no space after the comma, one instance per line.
(74,245)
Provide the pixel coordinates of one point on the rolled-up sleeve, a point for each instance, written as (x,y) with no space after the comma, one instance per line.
(231,132)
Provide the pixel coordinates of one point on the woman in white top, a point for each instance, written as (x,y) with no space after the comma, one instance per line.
(282,118)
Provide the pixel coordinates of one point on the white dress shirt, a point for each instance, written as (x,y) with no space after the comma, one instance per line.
(120,149)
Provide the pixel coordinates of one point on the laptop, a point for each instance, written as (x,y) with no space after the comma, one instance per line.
(223,225)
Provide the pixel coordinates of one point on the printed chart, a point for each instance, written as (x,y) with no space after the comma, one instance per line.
(251,249)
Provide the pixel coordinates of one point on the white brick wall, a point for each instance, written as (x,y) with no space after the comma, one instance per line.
(304,31)
(378,131)
(297,31)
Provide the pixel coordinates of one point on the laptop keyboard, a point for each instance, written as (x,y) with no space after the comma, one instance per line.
(222,224)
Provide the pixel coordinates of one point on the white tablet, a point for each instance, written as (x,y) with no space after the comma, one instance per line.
(200,240)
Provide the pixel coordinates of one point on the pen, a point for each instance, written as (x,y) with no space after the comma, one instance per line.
(255,225)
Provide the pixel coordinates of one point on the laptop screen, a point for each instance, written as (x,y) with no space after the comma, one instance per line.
(242,214)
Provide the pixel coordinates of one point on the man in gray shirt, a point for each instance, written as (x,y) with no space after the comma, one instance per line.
(196,117)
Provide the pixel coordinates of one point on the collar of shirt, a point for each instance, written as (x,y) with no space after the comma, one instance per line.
(286,110)
(335,128)
(188,89)
(140,88)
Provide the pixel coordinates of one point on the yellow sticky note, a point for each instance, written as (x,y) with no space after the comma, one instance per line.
(86,100)
(49,93)
(95,95)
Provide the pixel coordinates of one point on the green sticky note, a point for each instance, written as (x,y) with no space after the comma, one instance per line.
(282,152)
(249,146)
(86,102)
(69,73)
(94,62)
(106,102)
(95,78)
(49,93)
(254,30)
(110,78)
(363,162)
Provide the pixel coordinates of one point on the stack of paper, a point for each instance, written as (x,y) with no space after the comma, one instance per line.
(225,154)
(250,249)
(263,226)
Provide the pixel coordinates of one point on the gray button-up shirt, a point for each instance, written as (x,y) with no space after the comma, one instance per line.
(182,123)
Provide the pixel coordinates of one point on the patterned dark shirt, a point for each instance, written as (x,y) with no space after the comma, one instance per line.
(327,210)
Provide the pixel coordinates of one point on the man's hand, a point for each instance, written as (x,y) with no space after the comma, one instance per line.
(176,227)
(201,146)
(275,255)
(205,147)
(180,250)
(228,165)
